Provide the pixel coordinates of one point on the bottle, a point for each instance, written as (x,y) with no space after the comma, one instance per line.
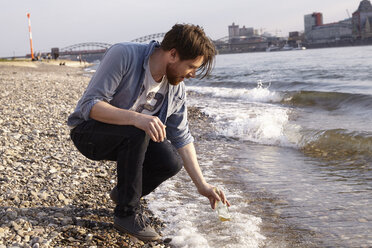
(223,211)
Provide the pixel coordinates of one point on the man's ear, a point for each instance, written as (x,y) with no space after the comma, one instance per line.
(173,55)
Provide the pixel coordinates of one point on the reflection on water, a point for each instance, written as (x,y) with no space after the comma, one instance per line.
(328,200)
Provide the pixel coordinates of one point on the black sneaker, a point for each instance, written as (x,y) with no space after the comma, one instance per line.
(136,225)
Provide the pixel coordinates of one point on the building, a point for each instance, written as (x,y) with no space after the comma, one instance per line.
(241,40)
(328,33)
(233,31)
(236,33)
(352,31)
(318,33)
(312,20)
(247,32)
(295,39)
(362,21)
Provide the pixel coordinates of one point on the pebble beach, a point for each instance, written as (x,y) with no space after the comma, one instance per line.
(51,195)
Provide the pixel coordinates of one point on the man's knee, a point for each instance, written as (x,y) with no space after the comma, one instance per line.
(136,137)
(174,165)
(134,131)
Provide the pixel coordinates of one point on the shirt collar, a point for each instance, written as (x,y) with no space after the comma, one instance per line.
(150,49)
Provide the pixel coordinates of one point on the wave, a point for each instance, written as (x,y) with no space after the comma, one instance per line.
(327,100)
(337,143)
(238,84)
(273,126)
(249,115)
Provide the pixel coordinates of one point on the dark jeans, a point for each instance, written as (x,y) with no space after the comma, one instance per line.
(142,165)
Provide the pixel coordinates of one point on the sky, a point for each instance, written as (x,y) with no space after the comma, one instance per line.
(64,23)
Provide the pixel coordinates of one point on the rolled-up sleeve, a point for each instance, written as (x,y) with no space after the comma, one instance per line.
(103,84)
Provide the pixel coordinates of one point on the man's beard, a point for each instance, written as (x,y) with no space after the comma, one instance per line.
(172,77)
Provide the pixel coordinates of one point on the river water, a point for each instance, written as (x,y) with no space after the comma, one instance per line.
(291,147)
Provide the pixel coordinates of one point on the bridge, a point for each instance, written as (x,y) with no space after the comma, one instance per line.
(84,48)
(91,51)
(99,48)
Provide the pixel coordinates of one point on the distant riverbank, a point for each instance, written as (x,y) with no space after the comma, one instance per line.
(34,64)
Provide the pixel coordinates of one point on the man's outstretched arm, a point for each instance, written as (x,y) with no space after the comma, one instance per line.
(188,155)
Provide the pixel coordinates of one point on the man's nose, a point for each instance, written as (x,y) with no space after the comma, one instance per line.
(192,74)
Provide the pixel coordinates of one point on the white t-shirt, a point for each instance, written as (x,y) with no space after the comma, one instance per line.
(152,94)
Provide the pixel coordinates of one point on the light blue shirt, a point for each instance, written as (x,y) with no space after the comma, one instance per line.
(118,81)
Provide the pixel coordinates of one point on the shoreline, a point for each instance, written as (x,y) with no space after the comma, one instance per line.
(52,196)
(35,64)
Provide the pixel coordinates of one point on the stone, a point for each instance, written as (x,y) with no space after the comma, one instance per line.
(89,237)
(52,235)
(167,240)
(38,230)
(26,238)
(71,239)
(61,197)
(12,215)
(36,240)
(41,214)
(21,233)
(363,220)
(59,215)
(34,193)
(67,221)
(43,195)
(18,238)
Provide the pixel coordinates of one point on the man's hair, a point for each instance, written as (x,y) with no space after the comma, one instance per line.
(190,41)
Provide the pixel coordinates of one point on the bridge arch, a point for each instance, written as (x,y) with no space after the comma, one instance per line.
(224,39)
(149,37)
(88,46)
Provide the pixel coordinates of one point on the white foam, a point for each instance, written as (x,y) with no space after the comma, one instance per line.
(191,223)
(257,122)
(262,125)
(258,94)
(248,114)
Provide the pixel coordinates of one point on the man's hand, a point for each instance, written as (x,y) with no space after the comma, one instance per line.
(152,125)
(213,194)
(192,167)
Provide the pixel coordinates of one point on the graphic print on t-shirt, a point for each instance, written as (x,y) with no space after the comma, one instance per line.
(152,97)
